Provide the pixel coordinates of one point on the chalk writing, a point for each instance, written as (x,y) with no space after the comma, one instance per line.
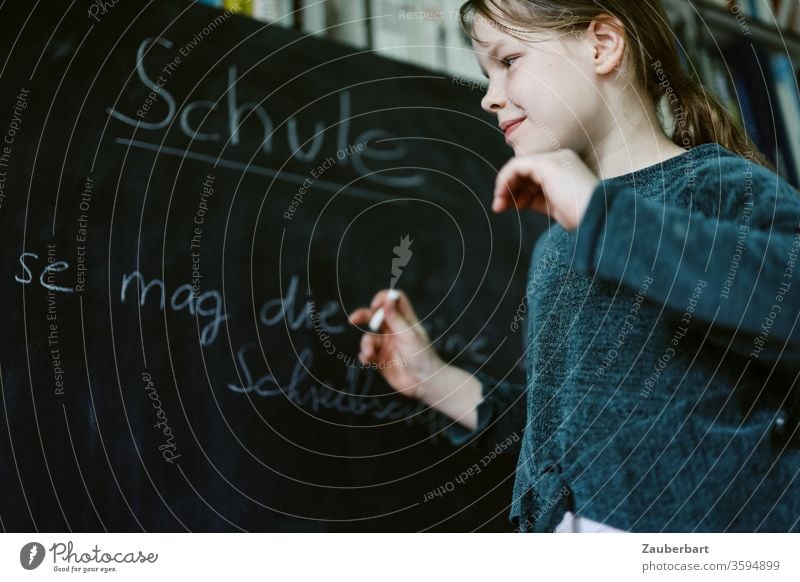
(207,304)
(366,161)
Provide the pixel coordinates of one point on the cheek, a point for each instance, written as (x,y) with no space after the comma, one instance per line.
(571,99)
(538,90)
(577,83)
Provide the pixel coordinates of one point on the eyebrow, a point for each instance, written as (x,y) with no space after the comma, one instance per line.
(492,53)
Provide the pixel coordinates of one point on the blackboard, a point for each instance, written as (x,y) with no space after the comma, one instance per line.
(191,204)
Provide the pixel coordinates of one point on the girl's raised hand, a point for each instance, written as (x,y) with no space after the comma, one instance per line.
(557,183)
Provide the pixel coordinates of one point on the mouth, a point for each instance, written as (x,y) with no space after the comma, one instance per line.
(512,127)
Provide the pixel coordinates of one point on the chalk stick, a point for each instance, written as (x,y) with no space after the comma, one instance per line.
(377,318)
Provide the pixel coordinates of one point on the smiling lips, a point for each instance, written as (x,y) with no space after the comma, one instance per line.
(508,127)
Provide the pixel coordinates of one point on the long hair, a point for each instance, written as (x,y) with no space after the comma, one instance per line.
(697,116)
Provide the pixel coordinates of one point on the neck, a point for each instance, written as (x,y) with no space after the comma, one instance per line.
(631,142)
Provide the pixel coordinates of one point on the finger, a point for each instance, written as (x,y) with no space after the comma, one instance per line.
(359,316)
(403,316)
(363,315)
(506,185)
(516,172)
(394,320)
(517,185)
(370,345)
(523,198)
(520,199)
(403,306)
(503,198)
(540,204)
(499,204)
(379,298)
(505,177)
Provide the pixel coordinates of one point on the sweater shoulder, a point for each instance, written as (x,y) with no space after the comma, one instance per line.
(727,183)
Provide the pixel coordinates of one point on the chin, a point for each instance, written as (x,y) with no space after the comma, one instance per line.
(527,149)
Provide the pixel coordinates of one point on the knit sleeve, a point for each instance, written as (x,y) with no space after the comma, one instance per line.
(501,417)
(732,276)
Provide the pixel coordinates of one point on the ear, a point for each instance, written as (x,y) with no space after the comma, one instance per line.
(607,40)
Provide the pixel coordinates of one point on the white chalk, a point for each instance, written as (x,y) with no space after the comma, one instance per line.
(377,318)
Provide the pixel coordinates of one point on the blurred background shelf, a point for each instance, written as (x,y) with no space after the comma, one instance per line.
(770,28)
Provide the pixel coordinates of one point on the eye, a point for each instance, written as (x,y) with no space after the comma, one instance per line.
(508,61)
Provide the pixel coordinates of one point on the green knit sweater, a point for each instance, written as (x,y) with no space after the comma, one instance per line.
(663,355)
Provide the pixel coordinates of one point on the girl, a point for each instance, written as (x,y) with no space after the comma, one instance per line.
(662,349)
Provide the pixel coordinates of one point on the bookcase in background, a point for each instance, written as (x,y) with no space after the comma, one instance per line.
(425,33)
(281,12)
(747,53)
(422,32)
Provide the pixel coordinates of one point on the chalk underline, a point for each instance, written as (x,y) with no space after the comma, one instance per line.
(255,169)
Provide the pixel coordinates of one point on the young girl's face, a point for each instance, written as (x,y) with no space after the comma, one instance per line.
(547,82)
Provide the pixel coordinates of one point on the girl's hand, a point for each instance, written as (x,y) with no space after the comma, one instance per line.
(556,183)
(402,349)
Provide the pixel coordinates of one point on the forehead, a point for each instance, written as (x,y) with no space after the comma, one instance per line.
(489,33)
(492,35)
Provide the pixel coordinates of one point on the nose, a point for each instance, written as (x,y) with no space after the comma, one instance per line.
(495,98)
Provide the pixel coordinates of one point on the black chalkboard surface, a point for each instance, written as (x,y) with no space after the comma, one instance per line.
(191,204)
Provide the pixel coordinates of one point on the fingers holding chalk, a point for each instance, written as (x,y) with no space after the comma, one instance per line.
(377,319)
(402,337)
(388,305)
(363,315)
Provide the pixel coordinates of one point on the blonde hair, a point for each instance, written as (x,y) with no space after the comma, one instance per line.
(698,116)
